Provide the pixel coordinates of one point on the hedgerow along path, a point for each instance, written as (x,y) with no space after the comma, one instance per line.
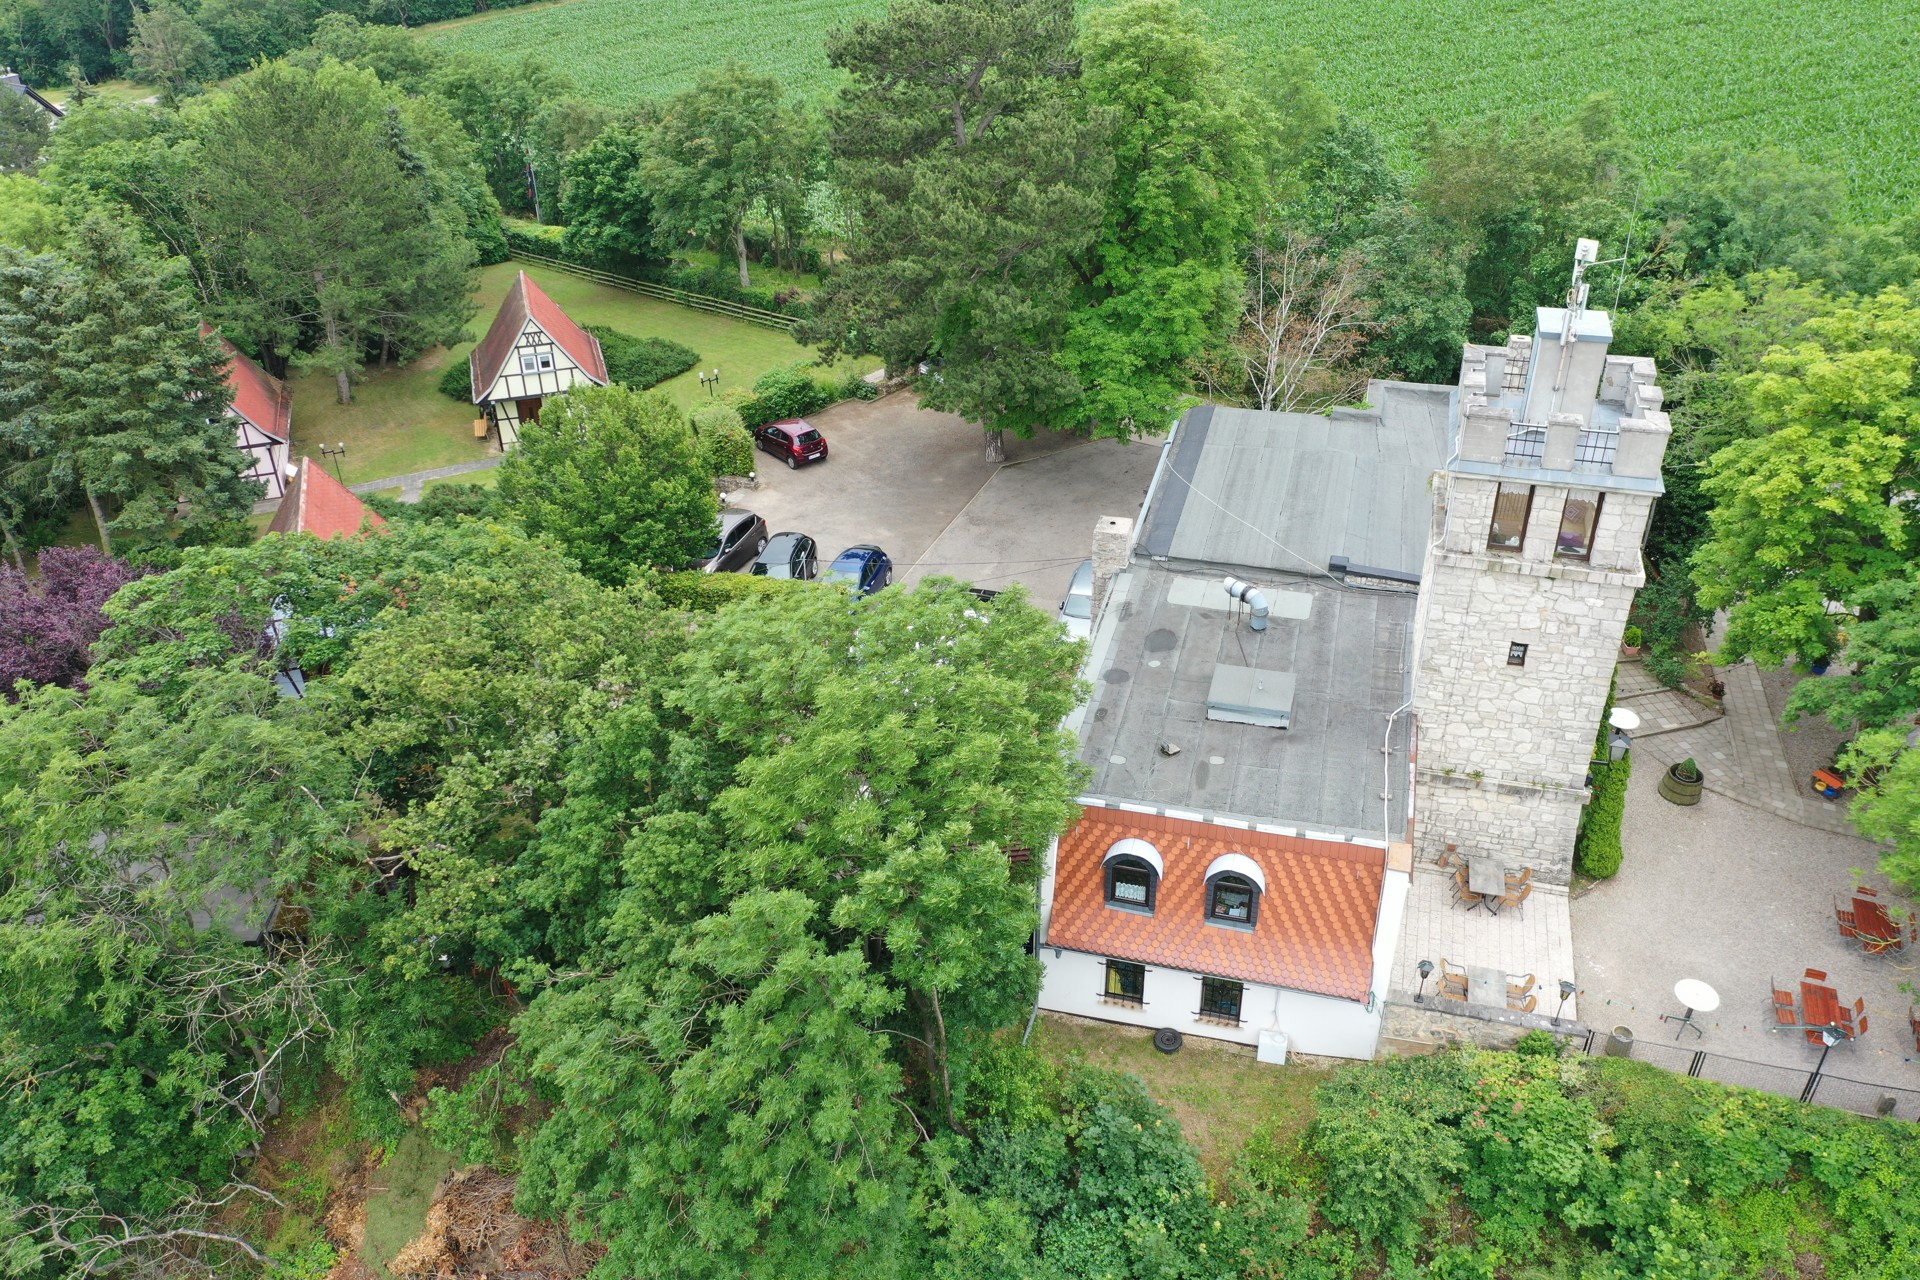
(1828,81)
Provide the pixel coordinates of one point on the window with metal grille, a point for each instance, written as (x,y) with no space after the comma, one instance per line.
(1220,999)
(1126,982)
(1578,519)
(1511,506)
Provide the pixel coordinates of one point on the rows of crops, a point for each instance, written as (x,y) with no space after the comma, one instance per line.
(1831,80)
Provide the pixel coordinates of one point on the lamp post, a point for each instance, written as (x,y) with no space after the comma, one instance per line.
(1566,993)
(1425,969)
(336,453)
(710,382)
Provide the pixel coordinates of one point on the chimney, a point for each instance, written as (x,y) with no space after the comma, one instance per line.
(1483,433)
(1112,548)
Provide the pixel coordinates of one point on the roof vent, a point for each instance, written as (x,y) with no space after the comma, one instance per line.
(1251,596)
(1243,695)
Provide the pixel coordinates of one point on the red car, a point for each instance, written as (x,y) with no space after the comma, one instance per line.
(793,442)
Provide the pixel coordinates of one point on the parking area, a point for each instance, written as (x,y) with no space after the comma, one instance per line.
(917,484)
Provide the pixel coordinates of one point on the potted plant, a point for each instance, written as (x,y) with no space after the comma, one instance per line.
(1681,783)
(1631,641)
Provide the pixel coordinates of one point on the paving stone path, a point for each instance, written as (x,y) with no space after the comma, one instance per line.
(411,485)
(1741,752)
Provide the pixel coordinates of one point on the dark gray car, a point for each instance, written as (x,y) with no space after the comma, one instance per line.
(788,555)
(741,537)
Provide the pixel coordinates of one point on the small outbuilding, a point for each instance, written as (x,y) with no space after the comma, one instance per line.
(318,504)
(533,350)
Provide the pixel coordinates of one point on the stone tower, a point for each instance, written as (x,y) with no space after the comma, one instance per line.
(1533,562)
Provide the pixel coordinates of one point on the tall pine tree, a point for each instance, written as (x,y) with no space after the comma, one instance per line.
(331,233)
(136,398)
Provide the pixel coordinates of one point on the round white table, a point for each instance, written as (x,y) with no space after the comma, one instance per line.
(1697,997)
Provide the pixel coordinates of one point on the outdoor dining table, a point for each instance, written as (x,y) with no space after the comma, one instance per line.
(1875,927)
(1819,1009)
(1486,986)
(1487,877)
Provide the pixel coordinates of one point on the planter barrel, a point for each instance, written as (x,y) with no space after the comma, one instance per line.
(1620,1043)
(1679,789)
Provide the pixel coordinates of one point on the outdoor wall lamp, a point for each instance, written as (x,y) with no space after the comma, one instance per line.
(1618,744)
(1425,968)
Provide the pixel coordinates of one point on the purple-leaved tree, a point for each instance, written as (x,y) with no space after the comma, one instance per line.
(48,625)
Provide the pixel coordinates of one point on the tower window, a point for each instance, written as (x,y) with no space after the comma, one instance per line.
(1511,506)
(1516,654)
(1577,521)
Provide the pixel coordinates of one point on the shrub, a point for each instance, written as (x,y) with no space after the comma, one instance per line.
(532,237)
(457,381)
(725,444)
(641,363)
(1632,637)
(1598,850)
(711,592)
(789,392)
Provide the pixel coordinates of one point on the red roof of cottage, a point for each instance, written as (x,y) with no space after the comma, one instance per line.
(1313,930)
(316,503)
(526,299)
(258,396)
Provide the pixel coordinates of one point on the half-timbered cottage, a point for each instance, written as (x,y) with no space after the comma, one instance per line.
(262,411)
(532,351)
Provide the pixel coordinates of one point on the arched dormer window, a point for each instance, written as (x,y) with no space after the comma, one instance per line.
(1234,885)
(1133,868)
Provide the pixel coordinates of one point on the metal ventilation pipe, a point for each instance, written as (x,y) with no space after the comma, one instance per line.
(1251,596)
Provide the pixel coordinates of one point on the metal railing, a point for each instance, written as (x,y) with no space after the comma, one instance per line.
(666,293)
(1593,449)
(1799,1083)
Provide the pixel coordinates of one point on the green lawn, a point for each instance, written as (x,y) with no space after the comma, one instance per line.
(108,90)
(1828,81)
(399,422)
(1219,1095)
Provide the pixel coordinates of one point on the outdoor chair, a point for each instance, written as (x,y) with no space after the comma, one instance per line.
(1783,1014)
(1843,1018)
(1461,893)
(1862,891)
(1516,879)
(1913,1023)
(1514,897)
(1517,989)
(1816,975)
(1845,917)
(1521,1006)
(1860,1016)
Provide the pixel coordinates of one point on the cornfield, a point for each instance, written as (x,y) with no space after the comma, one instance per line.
(1829,80)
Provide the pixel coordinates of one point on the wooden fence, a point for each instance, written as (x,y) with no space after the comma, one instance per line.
(666,293)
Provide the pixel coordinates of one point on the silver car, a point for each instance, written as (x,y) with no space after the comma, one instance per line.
(1076,611)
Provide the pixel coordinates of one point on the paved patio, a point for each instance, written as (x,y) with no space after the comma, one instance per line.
(1536,938)
(1738,894)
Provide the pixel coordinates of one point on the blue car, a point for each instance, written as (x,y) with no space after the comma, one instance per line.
(863,570)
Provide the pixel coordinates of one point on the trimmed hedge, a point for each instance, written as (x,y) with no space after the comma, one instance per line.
(710,592)
(725,444)
(1597,850)
(720,281)
(534,237)
(641,363)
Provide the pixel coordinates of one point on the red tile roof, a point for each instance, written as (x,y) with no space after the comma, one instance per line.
(526,299)
(258,397)
(1314,928)
(316,503)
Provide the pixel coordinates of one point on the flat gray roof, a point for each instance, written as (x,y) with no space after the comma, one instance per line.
(1289,491)
(1154,659)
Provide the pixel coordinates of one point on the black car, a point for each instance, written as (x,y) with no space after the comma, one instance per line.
(741,537)
(788,555)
